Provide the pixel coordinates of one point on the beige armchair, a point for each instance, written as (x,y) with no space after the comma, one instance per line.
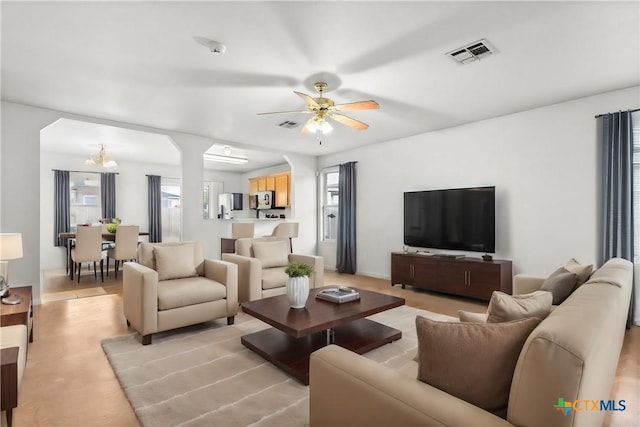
(172,286)
(261,264)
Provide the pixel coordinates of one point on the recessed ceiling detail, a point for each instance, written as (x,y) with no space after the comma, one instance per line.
(472,52)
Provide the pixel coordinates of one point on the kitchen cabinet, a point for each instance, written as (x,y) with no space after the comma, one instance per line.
(280,183)
(281,187)
(270,183)
(468,277)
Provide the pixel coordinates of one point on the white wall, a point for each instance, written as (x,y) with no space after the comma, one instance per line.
(543,163)
(20,186)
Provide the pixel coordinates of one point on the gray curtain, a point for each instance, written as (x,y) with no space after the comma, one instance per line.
(616,138)
(108,194)
(155,208)
(62,206)
(346,259)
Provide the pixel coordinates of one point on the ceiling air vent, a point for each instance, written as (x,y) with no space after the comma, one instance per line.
(472,52)
(288,124)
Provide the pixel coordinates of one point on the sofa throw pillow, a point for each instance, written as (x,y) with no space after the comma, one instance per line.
(272,254)
(560,283)
(472,361)
(470,317)
(505,308)
(582,271)
(175,262)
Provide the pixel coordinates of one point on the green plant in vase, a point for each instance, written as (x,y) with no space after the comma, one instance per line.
(298,283)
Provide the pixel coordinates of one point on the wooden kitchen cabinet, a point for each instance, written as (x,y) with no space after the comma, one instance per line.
(270,183)
(282,189)
(253,186)
(468,277)
(280,183)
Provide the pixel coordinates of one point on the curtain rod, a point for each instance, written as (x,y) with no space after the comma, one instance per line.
(631,111)
(53,170)
(333,166)
(168,177)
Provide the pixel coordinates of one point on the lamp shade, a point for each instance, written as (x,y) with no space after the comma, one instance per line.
(10,246)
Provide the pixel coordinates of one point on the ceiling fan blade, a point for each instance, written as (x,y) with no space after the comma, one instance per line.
(311,103)
(285,112)
(305,128)
(361,105)
(356,124)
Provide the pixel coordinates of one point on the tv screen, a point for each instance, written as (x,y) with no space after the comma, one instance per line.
(457,219)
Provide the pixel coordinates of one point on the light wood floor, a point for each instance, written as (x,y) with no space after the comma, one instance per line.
(69,382)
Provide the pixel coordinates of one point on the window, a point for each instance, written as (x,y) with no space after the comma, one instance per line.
(84,198)
(171,209)
(330,181)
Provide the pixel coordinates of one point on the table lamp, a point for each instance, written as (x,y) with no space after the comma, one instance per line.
(10,248)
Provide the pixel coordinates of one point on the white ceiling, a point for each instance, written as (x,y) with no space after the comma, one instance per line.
(145,62)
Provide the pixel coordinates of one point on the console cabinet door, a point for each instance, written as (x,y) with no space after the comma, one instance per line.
(425,272)
(482,279)
(401,270)
(452,277)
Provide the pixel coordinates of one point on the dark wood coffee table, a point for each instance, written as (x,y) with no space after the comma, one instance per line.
(297,333)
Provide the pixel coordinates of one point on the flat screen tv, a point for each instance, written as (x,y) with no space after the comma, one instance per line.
(458,219)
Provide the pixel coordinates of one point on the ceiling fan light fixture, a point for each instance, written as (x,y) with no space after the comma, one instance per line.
(225,159)
(321,126)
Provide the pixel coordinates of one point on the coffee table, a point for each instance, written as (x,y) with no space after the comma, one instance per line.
(297,333)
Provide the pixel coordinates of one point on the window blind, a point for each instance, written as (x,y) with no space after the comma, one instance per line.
(635,119)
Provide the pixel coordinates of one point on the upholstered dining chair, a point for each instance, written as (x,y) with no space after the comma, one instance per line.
(126,247)
(88,248)
(286,229)
(240,230)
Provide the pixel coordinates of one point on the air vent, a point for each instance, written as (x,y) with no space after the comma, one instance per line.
(288,124)
(472,52)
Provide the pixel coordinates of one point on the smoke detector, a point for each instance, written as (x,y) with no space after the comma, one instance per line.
(216,47)
(472,52)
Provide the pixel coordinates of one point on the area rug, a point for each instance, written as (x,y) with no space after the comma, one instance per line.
(203,376)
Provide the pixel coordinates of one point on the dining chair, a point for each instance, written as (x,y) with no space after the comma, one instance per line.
(88,248)
(286,229)
(126,247)
(241,230)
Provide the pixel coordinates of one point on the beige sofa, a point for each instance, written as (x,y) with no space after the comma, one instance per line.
(172,286)
(261,275)
(13,345)
(572,354)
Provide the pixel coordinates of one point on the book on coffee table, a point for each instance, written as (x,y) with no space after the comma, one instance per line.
(338,295)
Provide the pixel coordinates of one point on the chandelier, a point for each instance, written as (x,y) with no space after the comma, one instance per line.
(100,159)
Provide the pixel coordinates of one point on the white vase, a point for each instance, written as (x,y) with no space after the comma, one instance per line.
(298,291)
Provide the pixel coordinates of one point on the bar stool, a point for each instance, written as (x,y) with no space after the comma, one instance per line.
(286,229)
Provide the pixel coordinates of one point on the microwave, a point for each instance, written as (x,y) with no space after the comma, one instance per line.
(262,200)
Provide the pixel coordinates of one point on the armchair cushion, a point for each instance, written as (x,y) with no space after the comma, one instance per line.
(174,262)
(272,254)
(188,291)
(274,277)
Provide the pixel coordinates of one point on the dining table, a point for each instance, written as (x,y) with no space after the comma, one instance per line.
(69,237)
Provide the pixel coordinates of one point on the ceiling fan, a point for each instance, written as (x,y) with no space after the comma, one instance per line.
(324,109)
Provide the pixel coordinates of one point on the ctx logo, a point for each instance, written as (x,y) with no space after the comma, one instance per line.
(589,405)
